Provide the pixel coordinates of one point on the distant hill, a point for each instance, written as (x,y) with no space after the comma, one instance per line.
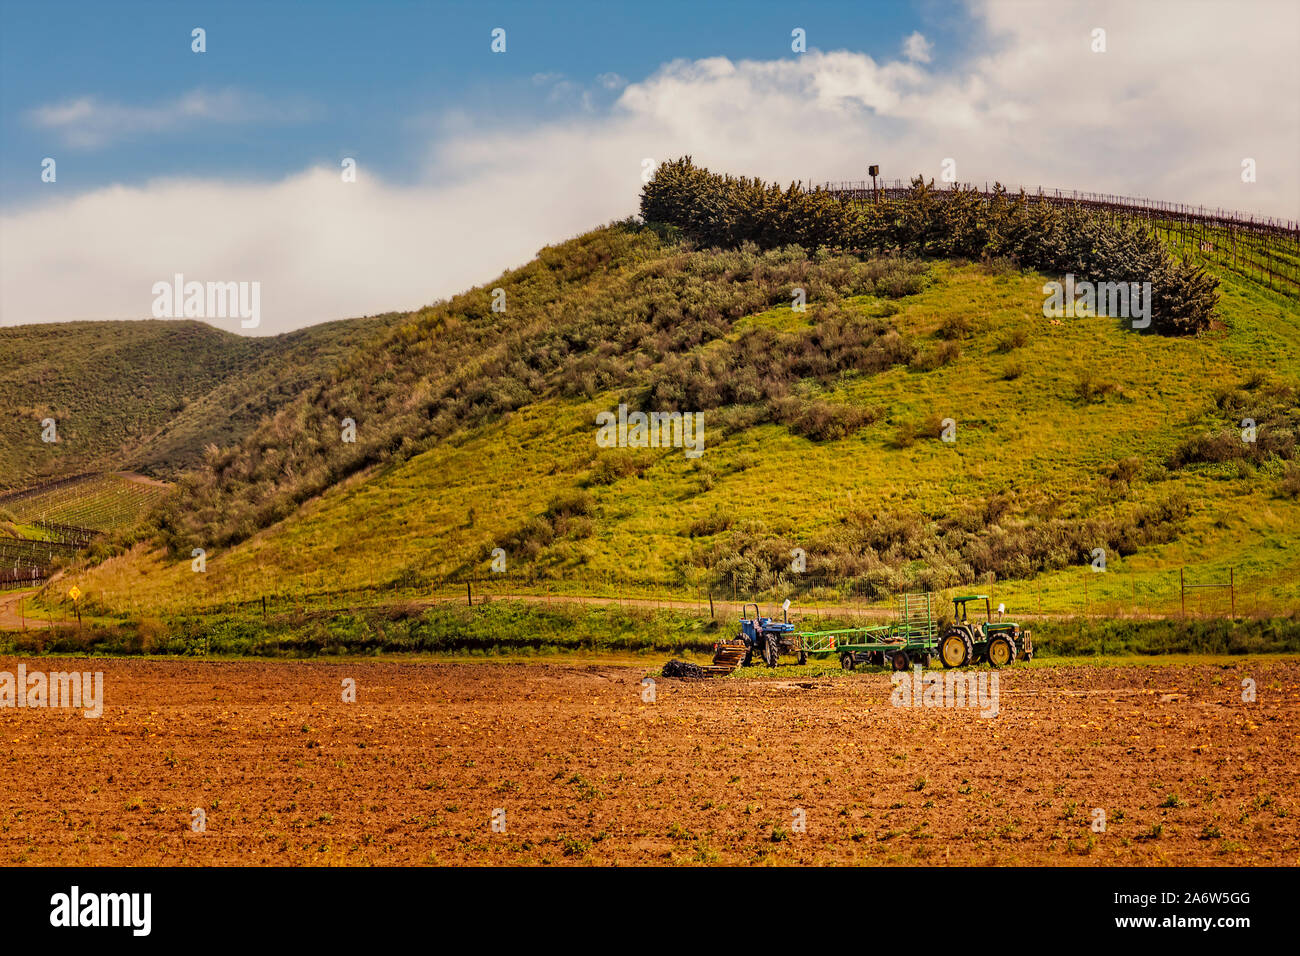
(148,395)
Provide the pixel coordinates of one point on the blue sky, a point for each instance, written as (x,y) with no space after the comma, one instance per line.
(323,80)
(226,165)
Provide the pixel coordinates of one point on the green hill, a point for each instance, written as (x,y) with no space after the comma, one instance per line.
(919,425)
(476,431)
(147,395)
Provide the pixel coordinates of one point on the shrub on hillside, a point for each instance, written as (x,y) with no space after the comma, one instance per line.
(1275,414)
(1289,486)
(575,328)
(877,554)
(823,421)
(725,211)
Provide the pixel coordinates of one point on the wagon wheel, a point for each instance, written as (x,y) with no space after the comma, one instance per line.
(846,661)
(954,649)
(900,660)
(1001,651)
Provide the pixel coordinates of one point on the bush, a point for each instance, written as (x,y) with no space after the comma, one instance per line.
(713,523)
(1013,339)
(823,421)
(954,327)
(724,211)
(945,353)
(1088,389)
(1289,487)
(570,503)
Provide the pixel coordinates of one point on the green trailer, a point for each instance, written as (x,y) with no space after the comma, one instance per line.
(913,638)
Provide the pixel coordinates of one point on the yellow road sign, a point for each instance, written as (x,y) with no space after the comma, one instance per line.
(74,592)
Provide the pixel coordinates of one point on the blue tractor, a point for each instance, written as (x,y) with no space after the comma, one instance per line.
(768,637)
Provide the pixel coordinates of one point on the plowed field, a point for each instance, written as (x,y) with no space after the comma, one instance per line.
(287,772)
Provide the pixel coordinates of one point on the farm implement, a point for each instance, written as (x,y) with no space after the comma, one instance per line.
(913,638)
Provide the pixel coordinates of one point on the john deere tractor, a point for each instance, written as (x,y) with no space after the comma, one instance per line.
(969,641)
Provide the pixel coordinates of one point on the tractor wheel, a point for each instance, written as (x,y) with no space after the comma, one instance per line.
(900,661)
(847,661)
(954,649)
(1001,651)
(749,657)
(803,657)
(771,652)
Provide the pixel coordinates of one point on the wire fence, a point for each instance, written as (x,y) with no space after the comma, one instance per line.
(1178,593)
(1261,248)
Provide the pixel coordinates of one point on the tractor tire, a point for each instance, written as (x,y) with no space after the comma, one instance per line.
(900,661)
(771,652)
(803,657)
(847,661)
(749,657)
(1001,651)
(955,649)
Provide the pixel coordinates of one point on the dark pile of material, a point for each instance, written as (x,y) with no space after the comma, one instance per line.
(684,670)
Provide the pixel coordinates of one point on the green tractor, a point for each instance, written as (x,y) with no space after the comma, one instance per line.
(968,641)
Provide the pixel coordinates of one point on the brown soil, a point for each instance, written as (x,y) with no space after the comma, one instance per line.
(589,773)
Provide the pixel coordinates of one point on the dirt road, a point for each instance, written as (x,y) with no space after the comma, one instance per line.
(11,616)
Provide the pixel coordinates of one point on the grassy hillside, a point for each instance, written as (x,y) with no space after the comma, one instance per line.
(147,395)
(476,430)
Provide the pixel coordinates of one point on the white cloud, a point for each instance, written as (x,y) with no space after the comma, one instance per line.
(1185,92)
(916,47)
(90,122)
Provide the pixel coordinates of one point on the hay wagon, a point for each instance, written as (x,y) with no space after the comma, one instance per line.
(912,638)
